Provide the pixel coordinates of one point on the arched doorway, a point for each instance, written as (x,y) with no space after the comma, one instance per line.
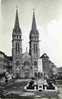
(26,74)
(26,69)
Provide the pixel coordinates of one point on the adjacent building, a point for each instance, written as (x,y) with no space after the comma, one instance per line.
(5,63)
(48,66)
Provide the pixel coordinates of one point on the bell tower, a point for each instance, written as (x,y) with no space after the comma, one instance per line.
(16,44)
(34,44)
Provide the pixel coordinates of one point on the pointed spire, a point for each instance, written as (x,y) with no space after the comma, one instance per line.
(16,26)
(34,21)
(17,19)
(34,30)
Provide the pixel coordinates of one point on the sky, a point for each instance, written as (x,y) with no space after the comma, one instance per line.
(48,15)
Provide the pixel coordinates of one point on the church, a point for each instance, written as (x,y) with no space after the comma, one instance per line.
(25,65)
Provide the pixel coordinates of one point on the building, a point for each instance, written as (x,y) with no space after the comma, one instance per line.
(25,64)
(5,62)
(48,66)
(59,71)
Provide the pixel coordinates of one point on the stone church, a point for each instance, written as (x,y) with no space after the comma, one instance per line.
(25,65)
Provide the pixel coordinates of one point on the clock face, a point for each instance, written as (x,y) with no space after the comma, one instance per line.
(17,63)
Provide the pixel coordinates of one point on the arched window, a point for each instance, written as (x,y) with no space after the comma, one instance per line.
(17,36)
(17,48)
(35,48)
(35,63)
(20,37)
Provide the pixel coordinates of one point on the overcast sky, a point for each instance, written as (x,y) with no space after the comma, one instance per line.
(49,24)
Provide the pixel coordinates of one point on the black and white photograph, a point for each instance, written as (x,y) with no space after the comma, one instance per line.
(30,49)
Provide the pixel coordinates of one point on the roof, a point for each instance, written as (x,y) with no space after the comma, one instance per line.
(9,57)
(59,69)
(2,53)
(34,22)
(17,26)
(44,56)
(34,30)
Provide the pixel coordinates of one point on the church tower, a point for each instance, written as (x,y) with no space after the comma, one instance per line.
(34,44)
(16,44)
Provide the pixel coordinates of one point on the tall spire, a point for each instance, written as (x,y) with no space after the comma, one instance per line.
(34,22)
(16,26)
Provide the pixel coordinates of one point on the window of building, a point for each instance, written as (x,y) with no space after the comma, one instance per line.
(35,48)
(35,63)
(17,36)
(20,36)
(36,75)
(17,48)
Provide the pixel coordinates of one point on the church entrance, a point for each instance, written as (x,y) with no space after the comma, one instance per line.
(26,69)
(26,74)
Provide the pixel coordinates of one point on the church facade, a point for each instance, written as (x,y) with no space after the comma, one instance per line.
(25,63)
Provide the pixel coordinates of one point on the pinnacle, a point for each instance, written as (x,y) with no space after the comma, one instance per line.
(16,26)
